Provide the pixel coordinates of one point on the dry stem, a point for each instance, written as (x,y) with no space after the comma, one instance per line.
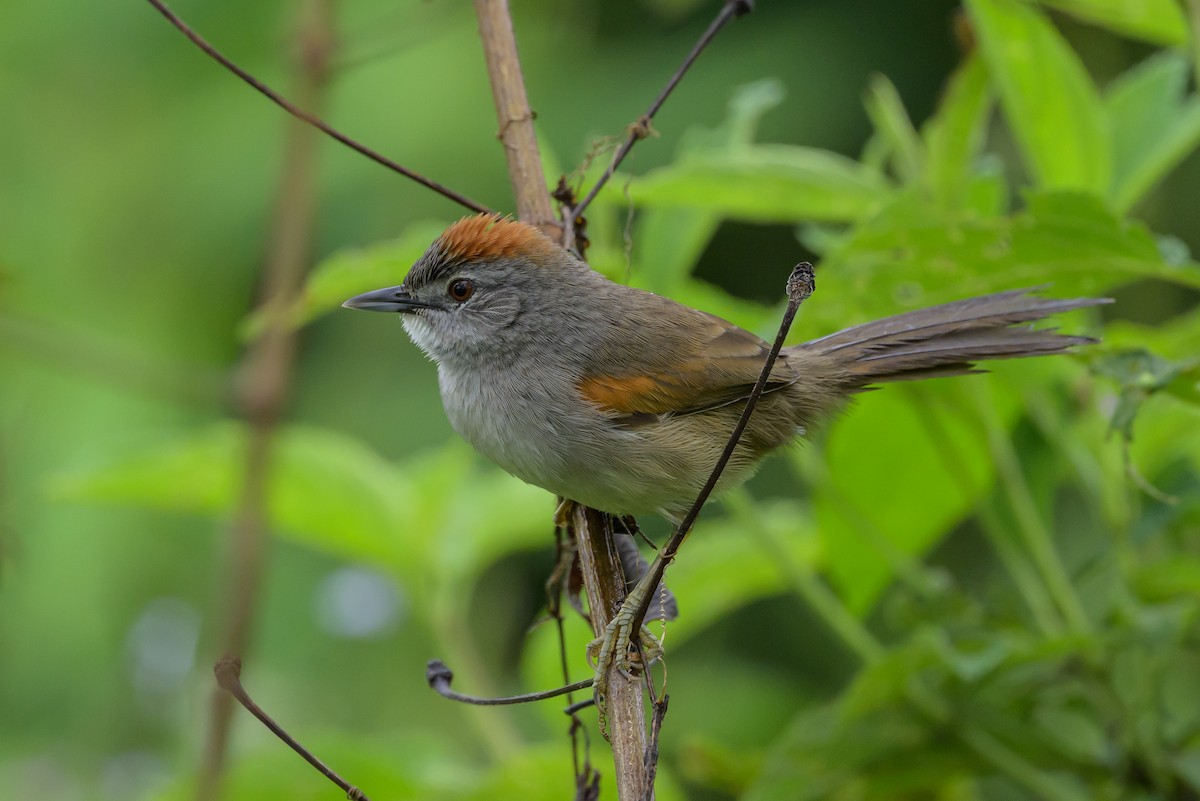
(265,374)
(604,581)
(598,559)
(514,114)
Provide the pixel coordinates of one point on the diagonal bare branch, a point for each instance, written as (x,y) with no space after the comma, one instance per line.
(800,286)
(439,677)
(229,671)
(310,118)
(641,128)
(264,376)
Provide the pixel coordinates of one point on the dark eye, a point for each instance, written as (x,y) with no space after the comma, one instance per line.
(461,289)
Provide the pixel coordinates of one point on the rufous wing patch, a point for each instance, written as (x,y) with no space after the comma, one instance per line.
(694,386)
(677,392)
(490,236)
(626,394)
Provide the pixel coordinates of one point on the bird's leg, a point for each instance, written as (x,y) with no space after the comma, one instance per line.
(562,512)
(614,649)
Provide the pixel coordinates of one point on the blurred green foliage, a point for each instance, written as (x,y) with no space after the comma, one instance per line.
(980,588)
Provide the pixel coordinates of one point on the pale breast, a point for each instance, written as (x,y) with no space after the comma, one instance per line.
(511,420)
(532,431)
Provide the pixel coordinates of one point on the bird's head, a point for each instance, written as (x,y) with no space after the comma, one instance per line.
(469,295)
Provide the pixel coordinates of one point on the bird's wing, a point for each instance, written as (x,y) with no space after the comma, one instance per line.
(680,365)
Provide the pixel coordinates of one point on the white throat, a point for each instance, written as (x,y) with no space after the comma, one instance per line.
(421,333)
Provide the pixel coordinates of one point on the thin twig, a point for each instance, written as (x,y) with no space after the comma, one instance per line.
(656,722)
(800,286)
(439,677)
(586,776)
(264,375)
(1140,481)
(313,120)
(579,706)
(228,671)
(556,585)
(641,129)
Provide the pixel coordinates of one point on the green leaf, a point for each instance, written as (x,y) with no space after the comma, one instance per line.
(884,683)
(1176,577)
(766,183)
(669,240)
(326,491)
(1168,439)
(535,773)
(871,516)
(1049,101)
(914,254)
(352,272)
(1158,21)
(746,108)
(763,320)
(505,515)
(331,493)
(412,766)
(1153,127)
(1177,692)
(539,773)
(971,662)
(889,755)
(726,571)
(1187,767)
(891,121)
(1075,733)
(1139,374)
(955,133)
(714,765)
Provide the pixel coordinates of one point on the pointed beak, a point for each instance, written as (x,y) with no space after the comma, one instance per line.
(392,299)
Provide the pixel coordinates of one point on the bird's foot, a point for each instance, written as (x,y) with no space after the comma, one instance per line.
(562,512)
(614,650)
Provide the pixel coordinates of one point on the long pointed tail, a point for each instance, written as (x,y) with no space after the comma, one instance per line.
(948,339)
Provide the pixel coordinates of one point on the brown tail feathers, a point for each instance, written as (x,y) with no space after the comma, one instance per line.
(948,339)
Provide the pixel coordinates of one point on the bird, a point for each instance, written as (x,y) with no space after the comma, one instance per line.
(621,399)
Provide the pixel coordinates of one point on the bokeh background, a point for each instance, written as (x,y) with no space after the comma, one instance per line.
(137,187)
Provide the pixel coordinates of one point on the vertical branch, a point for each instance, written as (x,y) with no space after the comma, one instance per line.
(598,559)
(265,372)
(604,581)
(513,113)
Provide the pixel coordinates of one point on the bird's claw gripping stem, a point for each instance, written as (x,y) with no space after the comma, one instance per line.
(614,650)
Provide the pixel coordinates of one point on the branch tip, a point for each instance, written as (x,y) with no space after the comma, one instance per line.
(801,283)
(228,670)
(437,674)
